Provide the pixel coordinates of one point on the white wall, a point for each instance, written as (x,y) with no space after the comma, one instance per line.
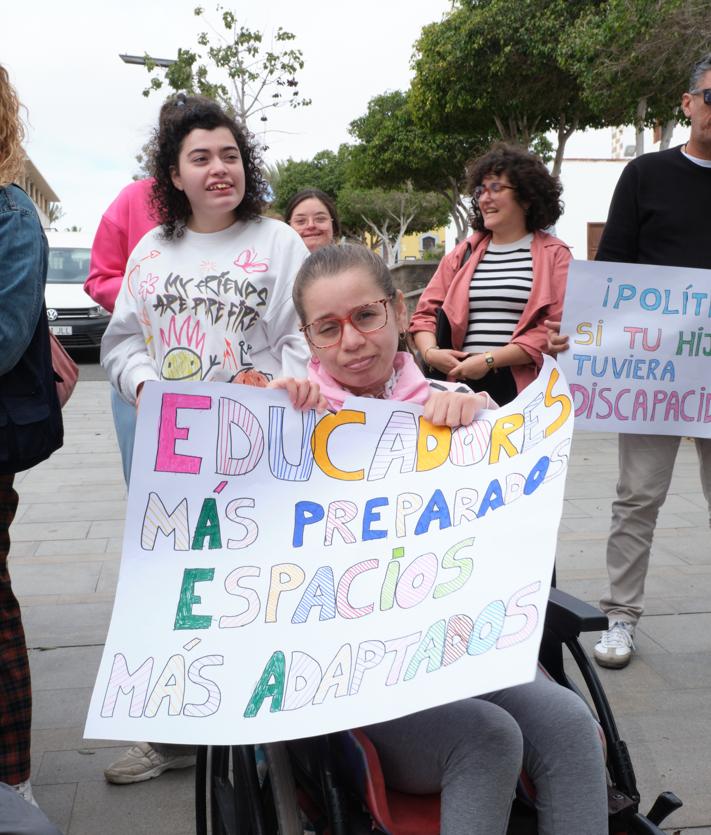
(587,189)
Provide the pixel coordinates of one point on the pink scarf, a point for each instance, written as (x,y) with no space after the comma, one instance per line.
(407,384)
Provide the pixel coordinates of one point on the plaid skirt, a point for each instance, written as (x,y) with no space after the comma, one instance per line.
(15,688)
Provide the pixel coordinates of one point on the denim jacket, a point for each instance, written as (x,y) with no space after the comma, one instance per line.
(30,417)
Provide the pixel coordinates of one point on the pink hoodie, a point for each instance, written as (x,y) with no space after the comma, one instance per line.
(123,225)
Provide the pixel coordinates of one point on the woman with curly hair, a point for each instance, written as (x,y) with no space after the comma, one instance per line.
(481,317)
(207,294)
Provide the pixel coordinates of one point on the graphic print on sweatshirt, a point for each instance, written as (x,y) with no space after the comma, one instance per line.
(187,308)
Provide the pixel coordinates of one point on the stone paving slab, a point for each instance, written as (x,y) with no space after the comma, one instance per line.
(54,530)
(55,578)
(73,624)
(61,708)
(95,491)
(65,562)
(157,806)
(70,547)
(70,511)
(57,802)
(683,633)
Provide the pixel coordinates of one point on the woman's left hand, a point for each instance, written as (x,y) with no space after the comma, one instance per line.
(304,394)
(450,408)
(472,368)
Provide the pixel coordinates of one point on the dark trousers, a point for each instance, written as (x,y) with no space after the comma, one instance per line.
(15,688)
(498,384)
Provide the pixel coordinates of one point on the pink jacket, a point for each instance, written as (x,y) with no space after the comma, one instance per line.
(123,225)
(449,289)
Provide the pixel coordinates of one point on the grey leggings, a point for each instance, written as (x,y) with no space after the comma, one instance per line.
(471,752)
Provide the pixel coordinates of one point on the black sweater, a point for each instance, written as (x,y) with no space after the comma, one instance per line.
(660,213)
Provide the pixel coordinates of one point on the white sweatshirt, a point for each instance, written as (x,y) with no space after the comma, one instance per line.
(207,307)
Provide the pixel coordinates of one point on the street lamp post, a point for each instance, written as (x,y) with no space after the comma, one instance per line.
(141,59)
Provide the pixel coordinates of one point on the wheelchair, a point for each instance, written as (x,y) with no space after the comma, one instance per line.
(332,785)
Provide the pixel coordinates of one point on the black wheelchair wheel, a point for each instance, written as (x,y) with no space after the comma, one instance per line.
(228,789)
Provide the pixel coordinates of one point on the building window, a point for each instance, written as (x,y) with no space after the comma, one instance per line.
(428,242)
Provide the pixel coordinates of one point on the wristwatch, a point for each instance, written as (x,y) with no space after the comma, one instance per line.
(489,359)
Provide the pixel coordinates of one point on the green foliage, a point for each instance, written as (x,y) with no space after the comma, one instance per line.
(234,66)
(386,207)
(327,171)
(494,64)
(434,254)
(55,213)
(272,173)
(541,145)
(388,215)
(631,51)
(394,148)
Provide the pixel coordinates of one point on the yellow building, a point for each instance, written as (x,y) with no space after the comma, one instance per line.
(416,245)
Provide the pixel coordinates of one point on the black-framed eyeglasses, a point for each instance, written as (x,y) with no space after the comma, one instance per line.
(493,188)
(366,318)
(705,93)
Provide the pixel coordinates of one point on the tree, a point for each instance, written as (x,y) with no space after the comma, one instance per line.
(235,68)
(55,213)
(393,148)
(387,215)
(629,65)
(390,215)
(495,64)
(272,173)
(328,171)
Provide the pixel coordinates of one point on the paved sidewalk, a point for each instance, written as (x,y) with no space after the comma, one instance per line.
(64,564)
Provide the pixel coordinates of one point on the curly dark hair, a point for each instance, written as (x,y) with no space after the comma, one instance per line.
(317,194)
(535,188)
(179,115)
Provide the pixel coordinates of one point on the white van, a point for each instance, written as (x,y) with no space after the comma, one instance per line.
(74,317)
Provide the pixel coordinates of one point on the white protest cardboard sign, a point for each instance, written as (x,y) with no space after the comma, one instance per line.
(287,576)
(640,343)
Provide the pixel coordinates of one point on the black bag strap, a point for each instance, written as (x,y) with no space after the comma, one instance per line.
(467,255)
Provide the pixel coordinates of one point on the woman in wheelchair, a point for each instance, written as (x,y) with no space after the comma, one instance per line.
(470,751)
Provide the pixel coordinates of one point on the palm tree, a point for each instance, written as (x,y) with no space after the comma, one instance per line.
(272,173)
(55,213)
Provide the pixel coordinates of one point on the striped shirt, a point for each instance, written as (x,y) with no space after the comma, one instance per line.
(498,293)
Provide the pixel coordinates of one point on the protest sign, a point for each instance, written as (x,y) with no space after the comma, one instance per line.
(287,575)
(640,342)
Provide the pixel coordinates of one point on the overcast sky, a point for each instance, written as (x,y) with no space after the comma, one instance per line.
(88,118)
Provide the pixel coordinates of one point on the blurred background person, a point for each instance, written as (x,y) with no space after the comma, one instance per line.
(312,213)
(122,226)
(481,317)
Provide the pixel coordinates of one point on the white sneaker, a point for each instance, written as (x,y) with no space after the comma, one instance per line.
(142,762)
(616,645)
(24,789)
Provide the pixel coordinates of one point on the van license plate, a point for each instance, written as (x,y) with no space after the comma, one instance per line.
(61,330)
